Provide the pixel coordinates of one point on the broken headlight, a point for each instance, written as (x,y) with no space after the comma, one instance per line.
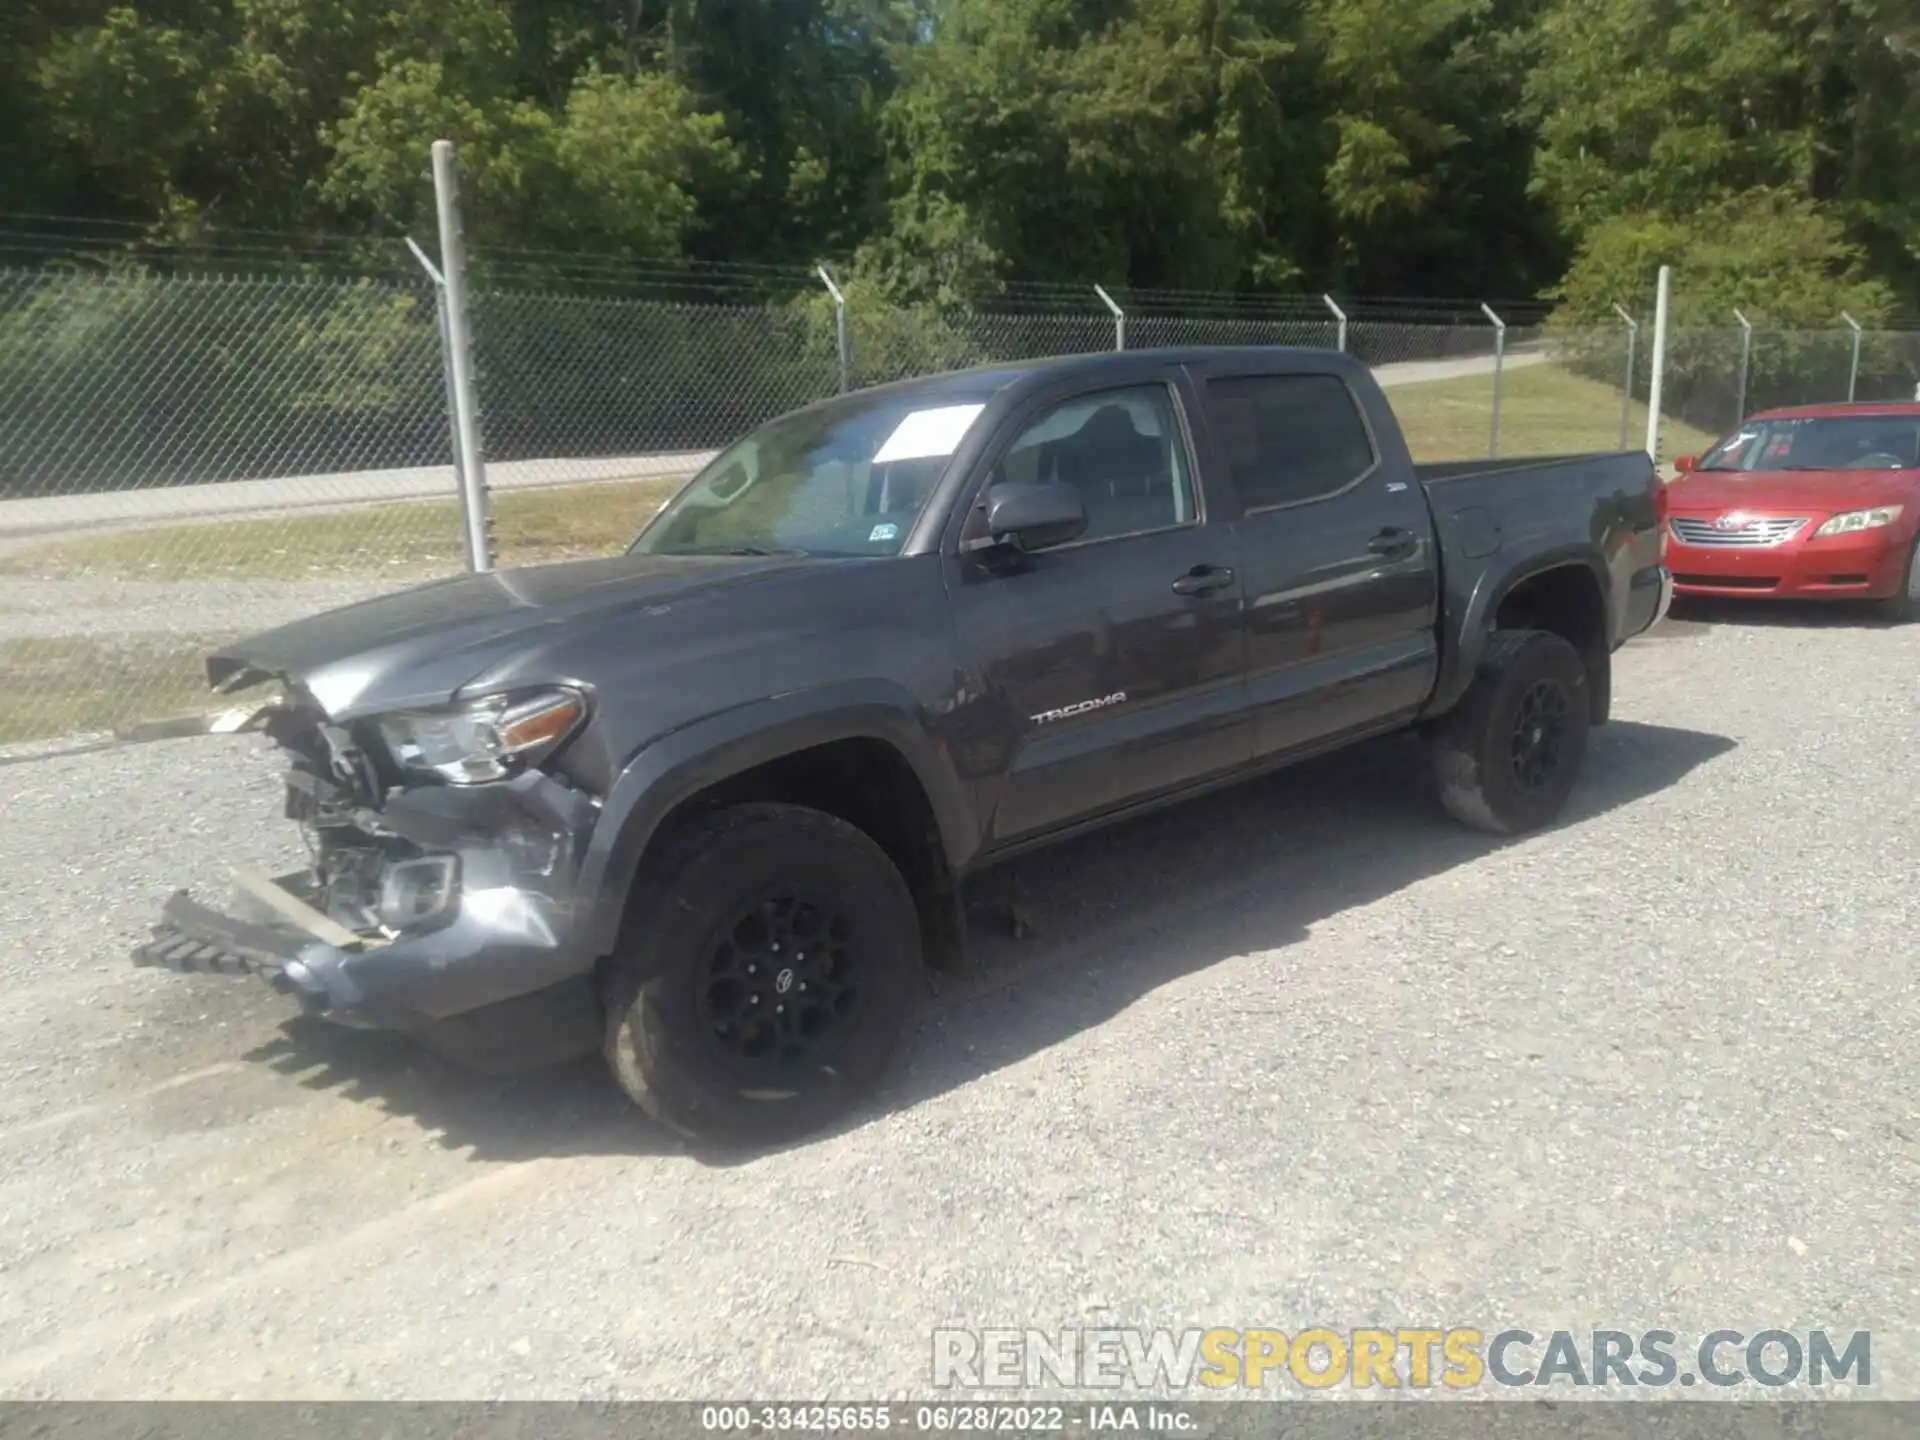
(484,739)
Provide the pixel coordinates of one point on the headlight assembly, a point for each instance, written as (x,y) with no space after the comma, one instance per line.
(1852,520)
(483,740)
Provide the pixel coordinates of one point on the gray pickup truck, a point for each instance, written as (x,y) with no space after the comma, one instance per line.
(708,806)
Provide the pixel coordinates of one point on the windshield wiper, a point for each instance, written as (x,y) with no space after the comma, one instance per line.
(733,550)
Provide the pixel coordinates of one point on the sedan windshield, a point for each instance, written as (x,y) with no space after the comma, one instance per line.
(847,478)
(1848,442)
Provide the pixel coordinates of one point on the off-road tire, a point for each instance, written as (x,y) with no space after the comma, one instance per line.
(1903,607)
(711,871)
(1475,745)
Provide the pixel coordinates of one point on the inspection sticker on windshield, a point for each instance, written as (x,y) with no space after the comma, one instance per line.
(883,531)
(928,434)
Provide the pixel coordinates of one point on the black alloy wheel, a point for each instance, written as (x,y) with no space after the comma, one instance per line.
(783,985)
(1509,752)
(766,973)
(1538,748)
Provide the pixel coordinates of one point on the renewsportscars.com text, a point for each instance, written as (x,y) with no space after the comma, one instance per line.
(1452,1358)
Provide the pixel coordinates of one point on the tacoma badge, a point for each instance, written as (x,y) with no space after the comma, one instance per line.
(1067,712)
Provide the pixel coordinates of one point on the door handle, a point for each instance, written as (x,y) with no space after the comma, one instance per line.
(1393,543)
(1203,578)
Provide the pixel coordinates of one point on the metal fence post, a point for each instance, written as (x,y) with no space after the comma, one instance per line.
(1119,318)
(472,469)
(1746,361)
(1499,364)
(1659,376)
(446,371)
(1626,390)
(839,323)
(1340,316)
(1853,370)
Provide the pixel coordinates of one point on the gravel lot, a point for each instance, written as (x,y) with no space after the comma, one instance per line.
(1301,1054)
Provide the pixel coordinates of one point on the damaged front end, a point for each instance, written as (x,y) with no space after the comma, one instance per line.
(440,900)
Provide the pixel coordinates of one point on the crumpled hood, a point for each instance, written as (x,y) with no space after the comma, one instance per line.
(419,646)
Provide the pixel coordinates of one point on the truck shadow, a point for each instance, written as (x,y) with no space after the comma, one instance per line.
(1115,916)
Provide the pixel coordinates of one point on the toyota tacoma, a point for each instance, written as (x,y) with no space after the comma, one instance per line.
(708,806)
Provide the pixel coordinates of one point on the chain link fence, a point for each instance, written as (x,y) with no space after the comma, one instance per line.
(184,460)
(1716,376)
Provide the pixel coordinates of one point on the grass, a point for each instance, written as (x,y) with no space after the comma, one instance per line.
(403,537)
(71,684)
(1544,410)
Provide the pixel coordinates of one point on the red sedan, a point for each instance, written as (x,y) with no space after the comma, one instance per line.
(1816,503)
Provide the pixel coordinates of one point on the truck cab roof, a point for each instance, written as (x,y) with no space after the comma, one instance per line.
(980,381)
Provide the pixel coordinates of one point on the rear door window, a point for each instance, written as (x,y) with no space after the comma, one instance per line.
(1288,439)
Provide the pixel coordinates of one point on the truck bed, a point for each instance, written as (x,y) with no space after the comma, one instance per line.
(1436,472)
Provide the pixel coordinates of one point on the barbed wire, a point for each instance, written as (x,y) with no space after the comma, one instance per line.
(27,238)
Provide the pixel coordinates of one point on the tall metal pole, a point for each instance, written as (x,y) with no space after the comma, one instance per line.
(1499,364)
(1119,318)
(1341,316)
(1659,362)
(453,267)
(446,372)
(1746,363)
(1853,372)
(839,324)
(1626,390)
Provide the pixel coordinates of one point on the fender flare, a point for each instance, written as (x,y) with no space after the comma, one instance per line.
(1490,589)
(676,766)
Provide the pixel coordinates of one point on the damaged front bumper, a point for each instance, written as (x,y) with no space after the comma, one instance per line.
(462,926)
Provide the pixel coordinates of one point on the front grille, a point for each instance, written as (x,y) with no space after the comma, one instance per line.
(1728,582)
(1761,530)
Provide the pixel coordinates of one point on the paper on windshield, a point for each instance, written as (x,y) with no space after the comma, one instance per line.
(928,434)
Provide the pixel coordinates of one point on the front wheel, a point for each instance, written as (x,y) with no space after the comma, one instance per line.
(1509,752)
(766,974)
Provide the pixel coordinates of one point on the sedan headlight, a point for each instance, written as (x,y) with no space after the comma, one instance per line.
(1852,520)
(485,739)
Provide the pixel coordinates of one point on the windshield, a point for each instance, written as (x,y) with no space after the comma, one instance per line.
(1848,442)
(844,479)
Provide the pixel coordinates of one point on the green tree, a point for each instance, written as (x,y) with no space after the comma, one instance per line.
(121,99)
(612,173)
(1665,108)
(951,146)
(1071,142)
(1785,261)
(1426,179)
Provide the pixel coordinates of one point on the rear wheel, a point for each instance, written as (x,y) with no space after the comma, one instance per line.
(1508,754)
(1904,605)
(766,975)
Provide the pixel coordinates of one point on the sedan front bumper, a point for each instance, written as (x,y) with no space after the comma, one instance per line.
(1869,565)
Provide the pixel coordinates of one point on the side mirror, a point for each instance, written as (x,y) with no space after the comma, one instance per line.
(1029,517)
(1686,463)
